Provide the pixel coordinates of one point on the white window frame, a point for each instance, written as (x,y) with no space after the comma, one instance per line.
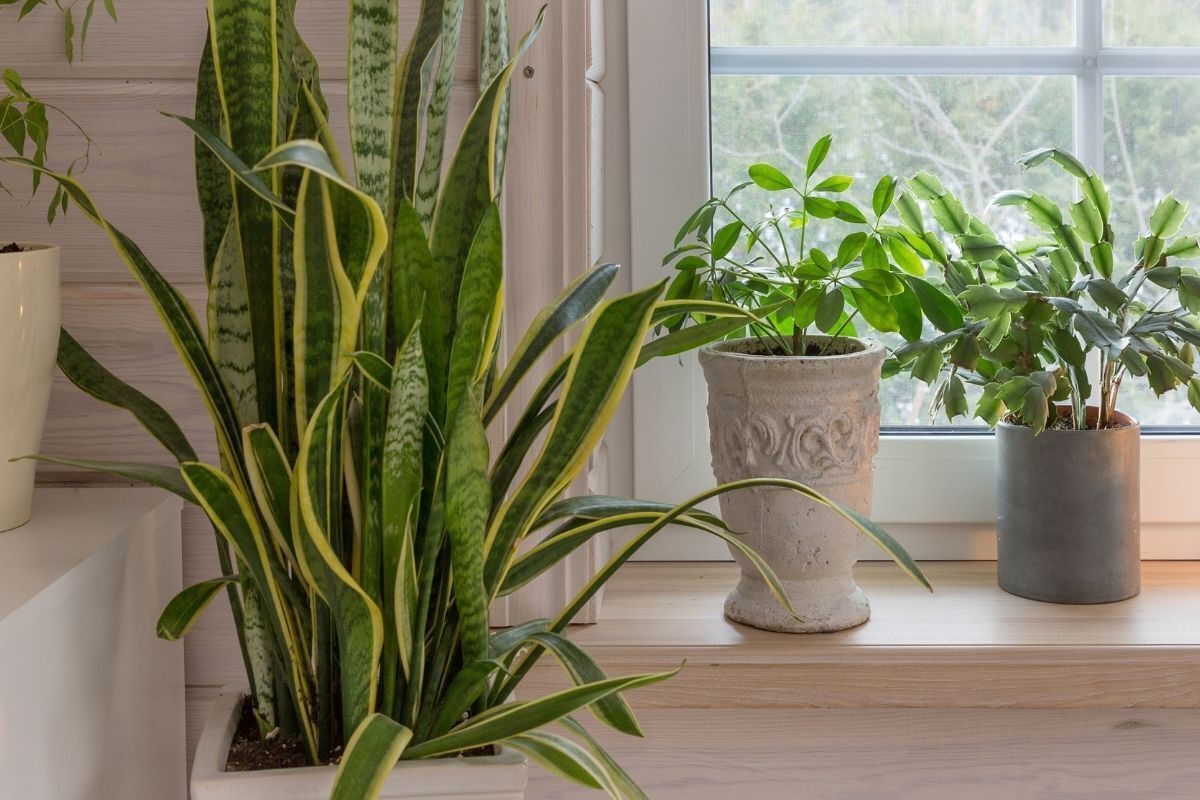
(936,492)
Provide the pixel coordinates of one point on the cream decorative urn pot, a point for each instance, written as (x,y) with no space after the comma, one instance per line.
(29,323)
(812,419)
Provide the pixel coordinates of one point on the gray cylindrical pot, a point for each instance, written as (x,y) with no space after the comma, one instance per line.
(812,419)
(1068,513)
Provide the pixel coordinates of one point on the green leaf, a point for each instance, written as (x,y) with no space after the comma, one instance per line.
(1034,410)
(965,352)
(1193,393)
(834,183)
(821,207)
(946,208)
(996,329)
(850,247)
(693,336)
(371,754)
(875,309)
(512,719)
(1102,257)
(163,477)
(374,368)
(725,239)
(1088,221)
(942,311)
(954,397)
(829,310)
(1061,157)
(908,312)
(986,302)
(613,710)
(185,608)
(910,213)
(816,156)
(1167,218)
(768,177)
(1107,295)
(480,308)
(468,507)
(848,212)
(566,759)
(928,365)
(437,116)
(884,194)
(89,375)
(882,281)
(874,256)
(906,257)
(371,92)
(1185,247)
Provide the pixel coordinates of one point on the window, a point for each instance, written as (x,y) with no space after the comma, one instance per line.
(958,87)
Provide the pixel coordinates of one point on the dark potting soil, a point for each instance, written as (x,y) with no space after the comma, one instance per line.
(250,751)
(12,247)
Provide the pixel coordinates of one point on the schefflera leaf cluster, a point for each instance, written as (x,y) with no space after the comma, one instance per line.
(815,262)
(1051,321)
(352,368)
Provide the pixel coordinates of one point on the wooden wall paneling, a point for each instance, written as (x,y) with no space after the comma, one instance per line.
(163,39)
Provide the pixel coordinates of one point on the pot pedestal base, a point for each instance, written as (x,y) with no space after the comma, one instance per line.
(823,605)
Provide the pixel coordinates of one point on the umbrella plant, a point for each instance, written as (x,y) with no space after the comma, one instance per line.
(351,369)
(815,259)
(1037,313)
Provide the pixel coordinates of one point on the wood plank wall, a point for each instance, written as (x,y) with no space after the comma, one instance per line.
(142,179)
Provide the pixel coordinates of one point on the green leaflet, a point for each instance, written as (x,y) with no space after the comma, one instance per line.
(229,333)
(185,608)
(158,475)
(438,114)
(244,48)
(409,97)
(600,369)
(402,479)
(468,506)
(371,90)
(568,309)
(90,375)
(371,754)
(480,307)
(512,719)
(317,514)
(613,710)
(567,759)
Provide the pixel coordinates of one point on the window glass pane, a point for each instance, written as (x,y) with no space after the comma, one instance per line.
(820,23)
(1150,23)
(967,130)
(1151,138)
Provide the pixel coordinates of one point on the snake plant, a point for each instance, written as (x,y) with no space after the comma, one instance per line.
(352,367)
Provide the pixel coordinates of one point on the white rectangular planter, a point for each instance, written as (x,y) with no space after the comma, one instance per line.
(500,777)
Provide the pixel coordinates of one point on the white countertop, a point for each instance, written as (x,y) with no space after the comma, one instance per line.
(68,526)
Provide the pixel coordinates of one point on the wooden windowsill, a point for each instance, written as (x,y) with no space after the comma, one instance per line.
(967,645)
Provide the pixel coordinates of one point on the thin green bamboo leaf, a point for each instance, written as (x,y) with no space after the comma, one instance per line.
(437,115)
(402,480)
(370,755)
(566,759)
(568,309)
(154,474)
(90,375)
(371,93)
(613,710)
(410,95)
(480,307)
(468,506)
(628,786)
(185,608)
(603,362)
(512,719)
(316,514)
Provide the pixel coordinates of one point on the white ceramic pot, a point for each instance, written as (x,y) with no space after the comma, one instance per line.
(29,321)
(500,777)
(809,419)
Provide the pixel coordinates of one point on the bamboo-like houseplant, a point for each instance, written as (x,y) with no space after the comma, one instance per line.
(1052,327)
(350,368)
(799,398)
